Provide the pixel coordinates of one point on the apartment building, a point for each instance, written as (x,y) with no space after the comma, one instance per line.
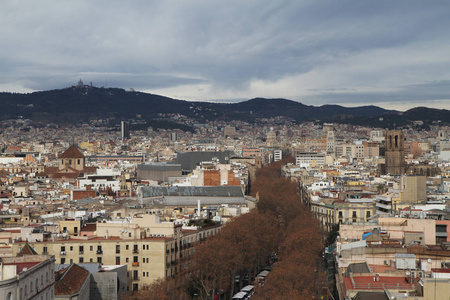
(28,276)
(309,159)
(150,248)
(333,211)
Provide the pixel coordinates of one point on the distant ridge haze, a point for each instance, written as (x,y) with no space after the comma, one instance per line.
(78,104)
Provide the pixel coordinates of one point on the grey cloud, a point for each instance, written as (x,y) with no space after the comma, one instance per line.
(418,93)
(228,44)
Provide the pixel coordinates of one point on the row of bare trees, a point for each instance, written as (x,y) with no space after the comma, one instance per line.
(280,224)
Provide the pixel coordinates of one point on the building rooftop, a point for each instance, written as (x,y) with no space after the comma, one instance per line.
(70,280)
(193,191)
(72,152)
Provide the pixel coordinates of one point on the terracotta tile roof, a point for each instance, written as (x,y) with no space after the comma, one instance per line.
(380,268)
(27,250)
(90,169)
(49,170)
(66,175)
(70,280)
(72,152)
(440,270)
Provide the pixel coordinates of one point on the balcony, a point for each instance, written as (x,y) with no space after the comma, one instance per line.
(99,251)
(135,251)
(135,278)
(63,252)
(135,264)
(81,252)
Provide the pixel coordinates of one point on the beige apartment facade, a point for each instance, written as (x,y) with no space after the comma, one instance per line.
(27,277)
(332,211)
(147,254)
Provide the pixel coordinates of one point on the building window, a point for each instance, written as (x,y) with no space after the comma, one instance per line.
(117,260)
(127,259)
(81,259)
(81,249)
(91,248)
(129,234)
(71,248)
(368,214)
(99,260)
(127,247)
(63,260)
(63,248)
(117,249)
(79,161)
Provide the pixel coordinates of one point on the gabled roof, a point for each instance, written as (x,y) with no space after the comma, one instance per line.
(72,152)
(69,281)
(27,250)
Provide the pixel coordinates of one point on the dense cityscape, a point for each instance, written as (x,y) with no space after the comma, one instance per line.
(109,211)
(224,150)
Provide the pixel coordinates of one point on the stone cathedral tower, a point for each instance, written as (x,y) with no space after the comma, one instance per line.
(395,152)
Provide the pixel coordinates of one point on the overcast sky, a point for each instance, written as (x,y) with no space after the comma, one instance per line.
(395,54)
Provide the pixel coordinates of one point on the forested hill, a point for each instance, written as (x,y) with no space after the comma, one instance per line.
(79,104)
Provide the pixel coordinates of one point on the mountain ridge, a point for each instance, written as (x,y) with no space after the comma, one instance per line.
(80,103)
